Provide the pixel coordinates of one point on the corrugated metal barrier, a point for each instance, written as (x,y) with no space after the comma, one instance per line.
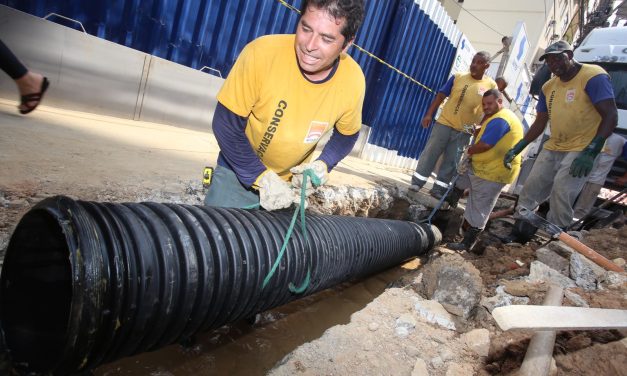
(417,37)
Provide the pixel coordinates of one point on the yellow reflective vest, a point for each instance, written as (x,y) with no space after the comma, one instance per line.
(489,164)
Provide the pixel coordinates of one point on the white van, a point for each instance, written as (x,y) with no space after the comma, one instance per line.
(607,47)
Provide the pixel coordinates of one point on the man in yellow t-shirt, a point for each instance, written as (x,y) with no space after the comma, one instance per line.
(282,95)
(448,138)
(579,103)
(500,131)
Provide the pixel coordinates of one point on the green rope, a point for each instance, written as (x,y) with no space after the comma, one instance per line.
(307,174)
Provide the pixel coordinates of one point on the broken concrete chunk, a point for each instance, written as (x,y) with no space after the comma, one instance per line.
(502,299)
(433,312)
(584,272)
(459,286)
(541,272)
(478,341)
(553,260)
(614,280)
(576,299)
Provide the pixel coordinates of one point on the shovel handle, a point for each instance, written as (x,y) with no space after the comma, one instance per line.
(589,253)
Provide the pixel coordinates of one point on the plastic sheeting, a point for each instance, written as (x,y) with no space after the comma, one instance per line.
(416,37)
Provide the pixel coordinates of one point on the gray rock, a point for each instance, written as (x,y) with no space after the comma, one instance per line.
(455,282)
(478,341)
(614,280)
(576,299)
(541,272)
(502,299)
(420,368)
(553,260)
(584,272)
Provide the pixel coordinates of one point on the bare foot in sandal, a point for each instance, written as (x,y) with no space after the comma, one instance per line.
(32,87)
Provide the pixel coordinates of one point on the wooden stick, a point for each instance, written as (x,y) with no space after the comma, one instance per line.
(589,253)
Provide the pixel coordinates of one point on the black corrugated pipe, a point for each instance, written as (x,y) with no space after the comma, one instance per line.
(85,283)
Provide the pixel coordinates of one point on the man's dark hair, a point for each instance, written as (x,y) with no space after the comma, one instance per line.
(497,94)
(351,10)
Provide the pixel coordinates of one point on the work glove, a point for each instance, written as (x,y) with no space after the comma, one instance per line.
(320,176)
(582,165)
(274,192)
(513,152)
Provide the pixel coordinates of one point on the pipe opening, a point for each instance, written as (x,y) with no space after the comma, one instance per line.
(36,291)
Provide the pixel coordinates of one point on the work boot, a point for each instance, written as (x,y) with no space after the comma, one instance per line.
(416,184)
(437,192)
(468,242)
(454,196)
(521,233)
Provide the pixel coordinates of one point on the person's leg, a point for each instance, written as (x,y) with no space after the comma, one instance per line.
(536,189)
(10,64)
(226,191)
(481,201)
(564,194)
(586,199)
(452,155)
(429,157)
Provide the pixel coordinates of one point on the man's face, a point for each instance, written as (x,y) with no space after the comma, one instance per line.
(478,66)
(319,42)
(491,105)
(558,63)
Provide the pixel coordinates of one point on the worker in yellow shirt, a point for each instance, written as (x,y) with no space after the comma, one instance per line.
(282,95)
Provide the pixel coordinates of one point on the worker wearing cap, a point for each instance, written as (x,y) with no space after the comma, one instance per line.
(487,176)
(579,103)
(282,95)
(447,139)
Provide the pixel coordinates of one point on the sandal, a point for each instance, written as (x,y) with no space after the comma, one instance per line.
(34,97)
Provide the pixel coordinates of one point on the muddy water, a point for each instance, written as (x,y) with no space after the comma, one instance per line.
(244,349)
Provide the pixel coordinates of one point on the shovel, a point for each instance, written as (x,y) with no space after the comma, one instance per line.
(557,233)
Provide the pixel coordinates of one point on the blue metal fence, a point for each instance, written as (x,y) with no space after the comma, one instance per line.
(199,33)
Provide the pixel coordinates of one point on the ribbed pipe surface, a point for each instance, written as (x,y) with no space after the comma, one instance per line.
(85,283)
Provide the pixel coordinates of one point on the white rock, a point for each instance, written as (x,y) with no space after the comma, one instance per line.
(540,272)
(373,326)
(576,299)
(502,299)
(478,341)
(620,262)
(433,312)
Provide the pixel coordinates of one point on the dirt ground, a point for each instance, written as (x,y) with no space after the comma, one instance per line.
(97,158)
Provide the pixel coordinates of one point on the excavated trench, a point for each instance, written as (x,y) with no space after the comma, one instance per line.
(239,347)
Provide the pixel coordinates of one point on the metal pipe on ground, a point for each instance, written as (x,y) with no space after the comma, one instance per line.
(539,354)
(85,283)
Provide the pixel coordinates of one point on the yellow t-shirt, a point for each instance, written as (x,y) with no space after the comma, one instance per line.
(464,103)
(574,120)
(489,164)
(288,114)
